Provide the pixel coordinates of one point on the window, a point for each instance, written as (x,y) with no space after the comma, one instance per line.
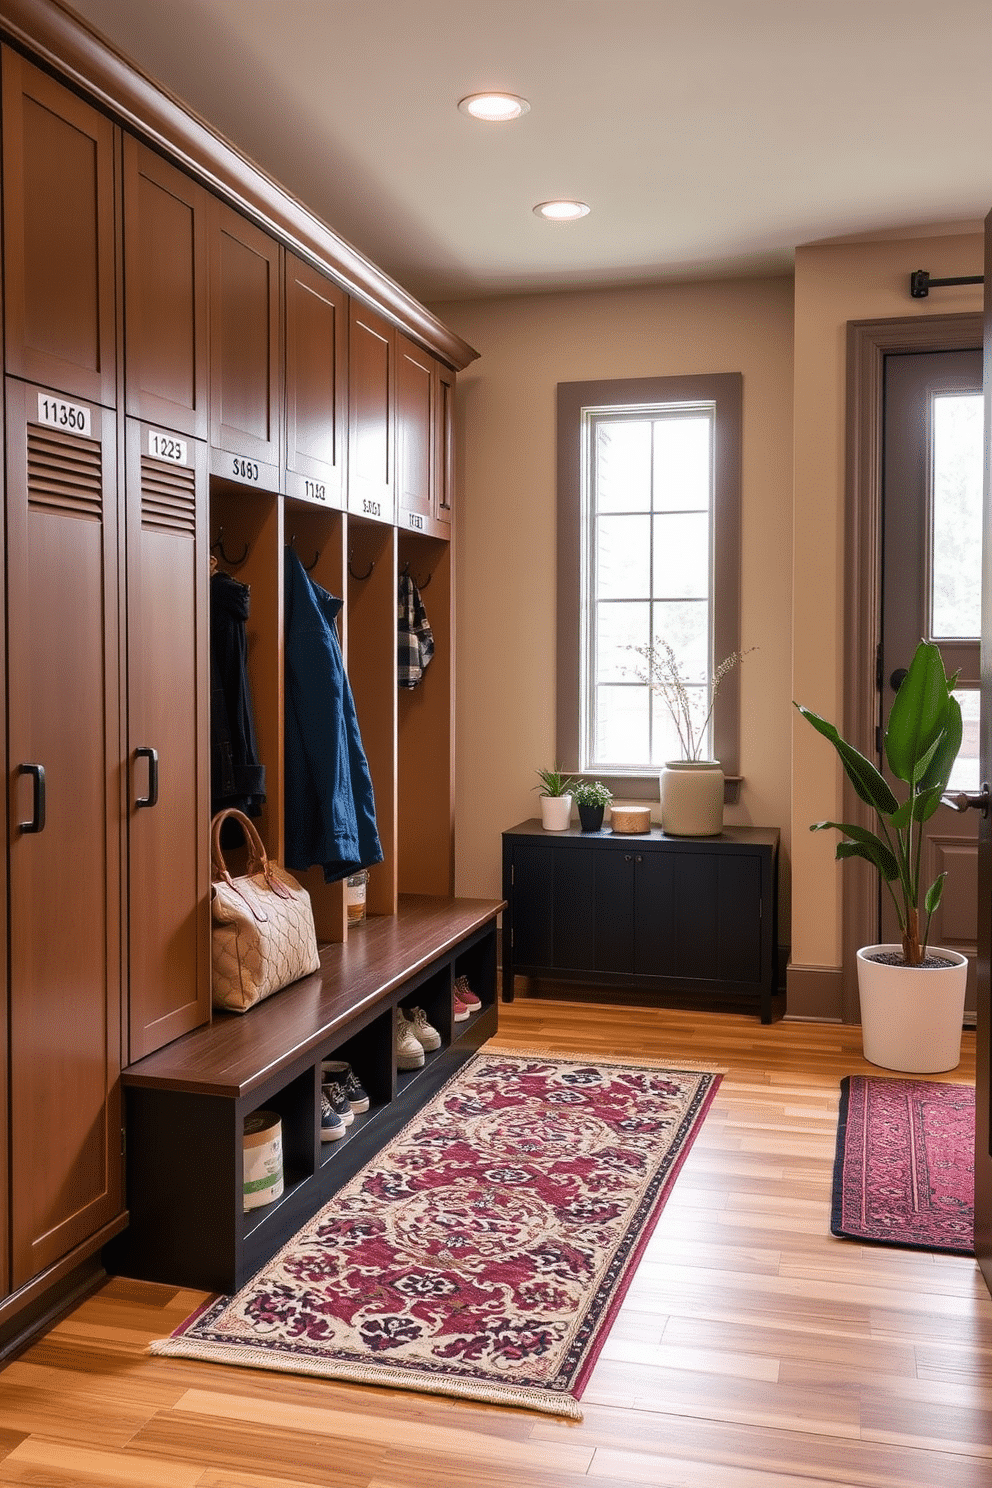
(648,551)
(957,456)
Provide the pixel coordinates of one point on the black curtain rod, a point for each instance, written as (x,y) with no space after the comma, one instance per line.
(920,283)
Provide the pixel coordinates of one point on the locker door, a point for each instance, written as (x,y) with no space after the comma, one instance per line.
(64,824)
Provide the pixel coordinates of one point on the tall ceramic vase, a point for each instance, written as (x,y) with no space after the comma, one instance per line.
(692,798)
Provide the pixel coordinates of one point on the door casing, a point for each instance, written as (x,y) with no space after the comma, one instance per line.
(869,342)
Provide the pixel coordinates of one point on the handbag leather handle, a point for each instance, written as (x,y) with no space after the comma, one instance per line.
(257,858)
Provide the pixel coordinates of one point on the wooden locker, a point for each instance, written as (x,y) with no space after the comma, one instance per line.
(168,669)
(316,385)
(245,351)
(59,236)
(444,434)
(371,415)
(166,273)
(416,448)
(65,838)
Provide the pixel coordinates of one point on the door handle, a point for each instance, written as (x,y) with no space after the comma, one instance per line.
(37,821)
(151,755)
(969,800)
(898,678)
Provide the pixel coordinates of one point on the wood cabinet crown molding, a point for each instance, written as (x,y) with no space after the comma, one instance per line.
(59,40)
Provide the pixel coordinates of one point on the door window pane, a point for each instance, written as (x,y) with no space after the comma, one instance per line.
(956,517)
(966,774)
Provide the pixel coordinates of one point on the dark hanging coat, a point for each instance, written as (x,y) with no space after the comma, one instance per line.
(237,778)
(330,806)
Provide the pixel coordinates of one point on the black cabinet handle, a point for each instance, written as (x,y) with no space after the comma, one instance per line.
(37,822)
(898,678)
(151,755)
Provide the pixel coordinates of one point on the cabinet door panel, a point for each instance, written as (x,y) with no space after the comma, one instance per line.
(739,936)
(245,359)
(696,950)
(168,701)
(165,291)
(65,886)
(656,909)
(371,414)
(316,384)
(59,236)
(574,910)
(444,482)
(532,906)
(415,435)
(614,910)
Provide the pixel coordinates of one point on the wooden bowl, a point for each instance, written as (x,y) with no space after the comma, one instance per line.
(626,819)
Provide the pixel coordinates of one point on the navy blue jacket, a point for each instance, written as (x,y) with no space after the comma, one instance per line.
(330,806)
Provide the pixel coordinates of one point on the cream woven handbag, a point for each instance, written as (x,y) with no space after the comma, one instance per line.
(263,934)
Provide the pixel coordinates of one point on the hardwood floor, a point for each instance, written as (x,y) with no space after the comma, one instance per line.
(753,1349)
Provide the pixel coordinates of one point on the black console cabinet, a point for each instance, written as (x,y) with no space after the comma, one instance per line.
(649,912)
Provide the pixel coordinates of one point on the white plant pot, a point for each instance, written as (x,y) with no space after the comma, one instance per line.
(692,798)
(911,1016)
(556,812)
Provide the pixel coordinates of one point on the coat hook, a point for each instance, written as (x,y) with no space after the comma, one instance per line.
(316,557)
(217,546)
(361,577)
(421,587)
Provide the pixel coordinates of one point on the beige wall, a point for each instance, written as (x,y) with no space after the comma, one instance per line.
(506,528)
(788,339)
(836,283)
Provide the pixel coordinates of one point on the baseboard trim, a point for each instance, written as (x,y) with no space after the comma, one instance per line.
(815,993)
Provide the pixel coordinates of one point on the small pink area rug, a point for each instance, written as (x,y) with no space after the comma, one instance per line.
(485,1251)
(905,1167)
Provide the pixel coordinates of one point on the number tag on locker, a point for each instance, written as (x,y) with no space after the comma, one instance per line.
(58,414)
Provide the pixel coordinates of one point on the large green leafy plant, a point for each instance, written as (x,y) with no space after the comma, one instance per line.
(921,743)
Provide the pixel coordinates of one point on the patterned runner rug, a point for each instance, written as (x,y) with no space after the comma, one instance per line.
(485,1251)
(904,1172)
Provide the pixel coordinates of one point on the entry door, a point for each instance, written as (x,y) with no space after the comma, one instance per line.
(931,589)
(983,1092)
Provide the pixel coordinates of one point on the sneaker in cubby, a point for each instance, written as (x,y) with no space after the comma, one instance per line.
(426,1034)
(408,1049)
(331,1125)
(341,1072)
(465,994)
(334,1090)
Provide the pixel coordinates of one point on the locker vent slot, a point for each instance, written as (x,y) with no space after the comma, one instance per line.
(64,473)
(168,498)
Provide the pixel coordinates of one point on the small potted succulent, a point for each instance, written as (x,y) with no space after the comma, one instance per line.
(556,799)
(592,798)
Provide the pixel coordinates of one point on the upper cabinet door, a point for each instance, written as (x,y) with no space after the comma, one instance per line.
(245,351)
(444,433)
(59,236)
(166,270)
(415,444)
(316,385)
(371,415)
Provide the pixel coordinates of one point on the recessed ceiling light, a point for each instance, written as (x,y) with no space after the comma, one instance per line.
(496,108)
(562,211)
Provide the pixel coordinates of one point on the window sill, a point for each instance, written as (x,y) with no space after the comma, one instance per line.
(647,787)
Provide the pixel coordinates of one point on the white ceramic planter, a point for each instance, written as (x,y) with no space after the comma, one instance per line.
(911,1016)
(692,798)
(556,812)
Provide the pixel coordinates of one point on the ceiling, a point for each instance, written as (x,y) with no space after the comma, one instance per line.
(709,139)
